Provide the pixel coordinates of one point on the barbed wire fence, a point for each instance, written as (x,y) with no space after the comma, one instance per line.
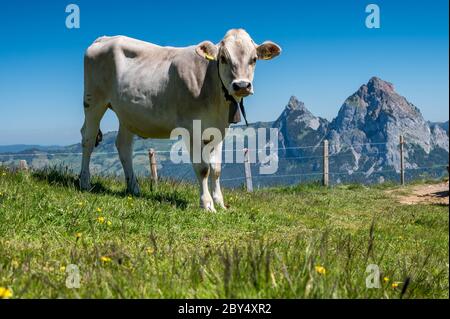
(158,160)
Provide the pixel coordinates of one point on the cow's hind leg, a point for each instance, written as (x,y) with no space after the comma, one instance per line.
(91,136)
(124,144)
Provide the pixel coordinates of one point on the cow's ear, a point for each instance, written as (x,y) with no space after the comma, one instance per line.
(207,50)
(268,50)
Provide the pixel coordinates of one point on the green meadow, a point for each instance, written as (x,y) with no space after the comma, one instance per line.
(303,241)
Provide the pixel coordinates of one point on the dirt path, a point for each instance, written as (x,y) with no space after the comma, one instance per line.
(425,194)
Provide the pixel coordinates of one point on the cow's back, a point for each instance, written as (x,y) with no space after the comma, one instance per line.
(152,89)
(106,59)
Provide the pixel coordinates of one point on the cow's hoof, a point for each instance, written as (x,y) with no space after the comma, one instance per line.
(211,209)
(208,206)
(85,186)
(207,203)
(221,205)
(134,192)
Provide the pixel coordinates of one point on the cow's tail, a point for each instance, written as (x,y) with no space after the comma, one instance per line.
(99,138)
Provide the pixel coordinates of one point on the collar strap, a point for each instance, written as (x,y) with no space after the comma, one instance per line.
(233,116)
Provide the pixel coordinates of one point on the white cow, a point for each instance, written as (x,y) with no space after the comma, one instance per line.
(154,89)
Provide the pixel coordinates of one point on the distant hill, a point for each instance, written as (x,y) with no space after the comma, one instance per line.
(16,148)
(363,143)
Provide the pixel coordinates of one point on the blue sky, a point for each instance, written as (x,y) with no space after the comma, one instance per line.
(327,54)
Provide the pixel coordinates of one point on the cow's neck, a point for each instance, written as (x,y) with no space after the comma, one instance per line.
(236,106)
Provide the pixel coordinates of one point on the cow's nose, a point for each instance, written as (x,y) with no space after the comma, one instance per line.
(242,86)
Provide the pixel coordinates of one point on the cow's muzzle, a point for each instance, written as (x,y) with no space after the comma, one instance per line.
(242,88)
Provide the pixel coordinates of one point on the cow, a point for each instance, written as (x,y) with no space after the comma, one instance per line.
(154,89)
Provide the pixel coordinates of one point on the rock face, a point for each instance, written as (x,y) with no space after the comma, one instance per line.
(439,137)
(298,126)
(442,125)
(364,137)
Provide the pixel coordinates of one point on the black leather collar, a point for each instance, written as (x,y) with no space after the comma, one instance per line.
(234,115)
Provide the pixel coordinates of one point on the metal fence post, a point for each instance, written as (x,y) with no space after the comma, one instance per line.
(325,163)
(248,172)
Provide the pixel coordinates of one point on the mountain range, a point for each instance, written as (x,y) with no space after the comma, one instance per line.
(366,131)
(363,144)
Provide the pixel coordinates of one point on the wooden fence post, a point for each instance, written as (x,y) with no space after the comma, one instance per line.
(153,167)
(248,172)
(23,166)
(402,161)
(325,164)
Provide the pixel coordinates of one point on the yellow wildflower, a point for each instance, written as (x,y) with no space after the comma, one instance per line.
(105,259)
(78,235)
(101,219)
(99,210)
(150,250)
(395,284)
(130,198)
(5,293)
(15,264)
(62,268)
(321,270)
(386,279)
(109,223)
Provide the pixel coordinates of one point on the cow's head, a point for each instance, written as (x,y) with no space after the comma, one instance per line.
(237,55)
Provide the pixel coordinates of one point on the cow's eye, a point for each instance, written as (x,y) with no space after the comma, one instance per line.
(223,60)
(253,61)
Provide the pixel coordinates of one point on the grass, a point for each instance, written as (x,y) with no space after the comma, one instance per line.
(291,242)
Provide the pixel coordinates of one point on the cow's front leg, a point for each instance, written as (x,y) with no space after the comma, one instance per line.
(202,172)
(216,169)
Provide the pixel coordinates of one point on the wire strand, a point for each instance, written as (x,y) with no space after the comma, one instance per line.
(185,152)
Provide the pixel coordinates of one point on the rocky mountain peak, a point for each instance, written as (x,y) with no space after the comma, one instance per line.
(297,113)
(377,115)
(375,84)
(380,97)
(295,104)
(297,122)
